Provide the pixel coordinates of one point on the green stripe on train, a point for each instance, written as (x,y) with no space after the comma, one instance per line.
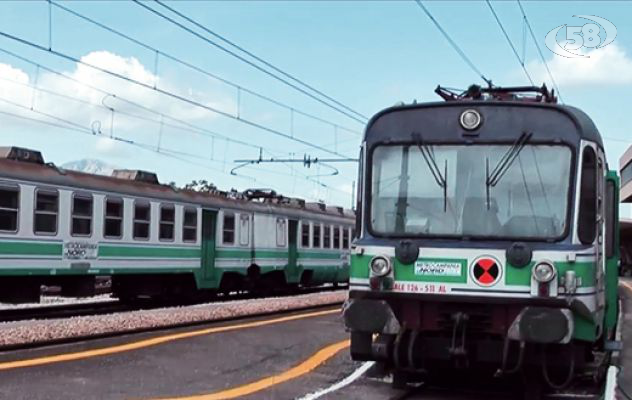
(360,269)
(30,248)
(148,252)
(585,270)
(513,276)
(248,253)
(31,271)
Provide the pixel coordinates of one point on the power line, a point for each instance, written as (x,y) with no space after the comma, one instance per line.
(513,48)
(268,64)
(197,131)
(192,128)
(546,65)
(201,70)
(453,43)
(162,115)
(357,117)
(175,154)
(169,94)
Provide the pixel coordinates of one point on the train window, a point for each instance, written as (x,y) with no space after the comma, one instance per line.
(345,238)
(316,242)
(228,230)
(45,213)
(587,220)
(9,206)
(305,234)
(336,237)
(280,232)
(113,227)
(244,229)
(167,222)
(142,220)
(189,225)
(327,237)
(81,215)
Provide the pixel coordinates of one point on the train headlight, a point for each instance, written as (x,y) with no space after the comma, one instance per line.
(470,119)
(544,272)
(380,265)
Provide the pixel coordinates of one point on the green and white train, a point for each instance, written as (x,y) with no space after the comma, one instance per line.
(488,240)
(61,227)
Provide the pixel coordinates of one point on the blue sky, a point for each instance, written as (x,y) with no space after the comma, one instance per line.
(368,55)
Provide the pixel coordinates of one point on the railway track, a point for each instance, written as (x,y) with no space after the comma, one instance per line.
(62,311)
(113,306)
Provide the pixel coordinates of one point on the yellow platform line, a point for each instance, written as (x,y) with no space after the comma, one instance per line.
(301,369)
(153,341)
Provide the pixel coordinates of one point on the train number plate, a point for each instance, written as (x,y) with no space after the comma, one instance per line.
(80,250)
(413,287)
(438,268)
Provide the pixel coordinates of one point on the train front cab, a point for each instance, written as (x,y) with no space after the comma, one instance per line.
(468,261)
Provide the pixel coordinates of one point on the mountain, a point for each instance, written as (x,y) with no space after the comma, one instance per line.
(90,166)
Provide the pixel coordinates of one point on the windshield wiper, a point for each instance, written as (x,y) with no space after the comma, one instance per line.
(504,163)
(428,154)
(507,160)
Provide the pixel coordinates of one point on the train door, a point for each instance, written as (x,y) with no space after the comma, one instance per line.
(292,243)
(209,221)
(599,249)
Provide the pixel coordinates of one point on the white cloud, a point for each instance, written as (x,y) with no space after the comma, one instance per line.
(14,86)
(606,66)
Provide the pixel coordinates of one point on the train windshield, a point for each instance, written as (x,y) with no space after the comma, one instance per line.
(469,191)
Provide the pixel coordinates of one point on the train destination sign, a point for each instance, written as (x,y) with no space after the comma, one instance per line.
(438,268)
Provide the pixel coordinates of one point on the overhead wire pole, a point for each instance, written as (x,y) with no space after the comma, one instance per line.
(341,108)
(513,48)
(169,94)
(201,70)
(535,41)
(455,46)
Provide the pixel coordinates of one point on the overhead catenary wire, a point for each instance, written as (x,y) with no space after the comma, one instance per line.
(240,88)
(535,41)
(189,128)
(162,115)
(513,48)
(198,131)
(454,45)
(337,106)
(168,93)
(175,154)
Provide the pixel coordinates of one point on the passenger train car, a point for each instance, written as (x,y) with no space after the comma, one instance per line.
(488,240)
(61,227)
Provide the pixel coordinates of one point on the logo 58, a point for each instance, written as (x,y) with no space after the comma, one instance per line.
(593,35)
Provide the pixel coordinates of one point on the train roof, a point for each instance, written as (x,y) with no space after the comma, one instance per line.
(28,165)
(444,116)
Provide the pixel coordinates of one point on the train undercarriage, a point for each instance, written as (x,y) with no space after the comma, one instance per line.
(436,342)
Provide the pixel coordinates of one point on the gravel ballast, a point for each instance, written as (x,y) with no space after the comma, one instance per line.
(35,331)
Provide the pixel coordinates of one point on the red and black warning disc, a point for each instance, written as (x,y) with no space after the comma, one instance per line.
(486,271)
